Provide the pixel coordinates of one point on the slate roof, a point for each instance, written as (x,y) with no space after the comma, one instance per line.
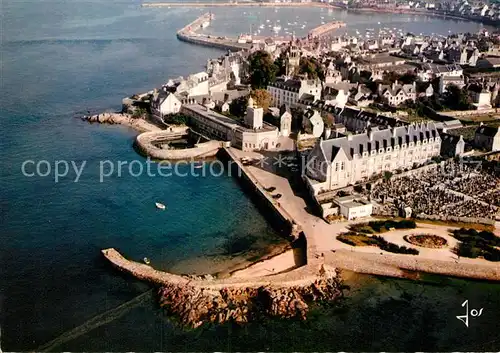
(488,131)
(357,144)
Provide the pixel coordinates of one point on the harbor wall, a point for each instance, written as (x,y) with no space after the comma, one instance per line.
(236,4)
(144,143)
(213,43)
(281,221)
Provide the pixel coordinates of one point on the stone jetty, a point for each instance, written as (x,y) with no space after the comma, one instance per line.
(197,300)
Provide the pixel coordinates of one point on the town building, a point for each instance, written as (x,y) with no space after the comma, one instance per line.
(352,207)
(164,103)
(452,145)
(487,137)
(289,91)
(285,117)
(220,127)
(343,161)
(312,122)
(396,94)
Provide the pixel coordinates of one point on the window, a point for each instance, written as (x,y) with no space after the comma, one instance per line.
(342,167)
(336,167)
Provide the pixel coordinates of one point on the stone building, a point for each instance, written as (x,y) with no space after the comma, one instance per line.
(289,91)
(452,145)
(221,127)
(487,137)
(339,162)
(164,103)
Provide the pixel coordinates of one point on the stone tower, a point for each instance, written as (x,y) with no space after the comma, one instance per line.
(255,115)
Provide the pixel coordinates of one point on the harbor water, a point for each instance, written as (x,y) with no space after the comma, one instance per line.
(61,59)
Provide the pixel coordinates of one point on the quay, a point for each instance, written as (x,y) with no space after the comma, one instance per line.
(236,4)
(302,276)
(189,34)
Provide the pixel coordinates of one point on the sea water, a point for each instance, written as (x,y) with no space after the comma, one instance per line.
(61,59)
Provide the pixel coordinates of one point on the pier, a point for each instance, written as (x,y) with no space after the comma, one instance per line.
(189,34)
(237,4)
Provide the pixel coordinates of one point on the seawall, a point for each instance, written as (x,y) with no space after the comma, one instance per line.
(235,4)
(195,302)
(145,144)
(281,220)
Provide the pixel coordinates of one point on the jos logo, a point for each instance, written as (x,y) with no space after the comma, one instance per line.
(473,313)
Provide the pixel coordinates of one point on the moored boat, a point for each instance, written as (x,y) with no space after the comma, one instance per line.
(160,205)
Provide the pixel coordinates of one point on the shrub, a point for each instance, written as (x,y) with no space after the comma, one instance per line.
(394,248)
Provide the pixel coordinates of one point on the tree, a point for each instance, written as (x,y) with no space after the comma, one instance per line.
(177,119)
(262,69)
(457,98)
(390,77)
(262,98)
(280,64)
(408,78)
(238,107)
(312,68)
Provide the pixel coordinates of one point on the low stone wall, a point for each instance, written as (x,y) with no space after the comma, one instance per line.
(486,221)
(281,219)
(144,143)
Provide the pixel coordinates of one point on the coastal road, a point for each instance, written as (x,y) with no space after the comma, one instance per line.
(321,237)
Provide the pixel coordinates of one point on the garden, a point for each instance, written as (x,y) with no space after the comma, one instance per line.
(374,227)
(427,240)
(359,239)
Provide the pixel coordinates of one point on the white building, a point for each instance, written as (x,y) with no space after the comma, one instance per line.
(255,115)
(285,117)
(290,91)
(194,85)
(352,207)
(221,127)
(313,123)
(397,94)
(339,162)
(164,103)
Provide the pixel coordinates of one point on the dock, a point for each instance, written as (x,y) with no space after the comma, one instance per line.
(189,34)
(237,4)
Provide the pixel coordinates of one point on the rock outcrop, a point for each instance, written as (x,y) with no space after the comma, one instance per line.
(195,306)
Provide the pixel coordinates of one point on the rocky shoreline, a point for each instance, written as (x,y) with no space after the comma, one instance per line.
(194,306)
(125,119)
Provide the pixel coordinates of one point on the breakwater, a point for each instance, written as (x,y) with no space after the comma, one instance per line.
(196,301)
(236,4)
(188,34)
(151,144)
(326,28)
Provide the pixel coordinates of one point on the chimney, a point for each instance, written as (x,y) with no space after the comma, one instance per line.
(226,97)
(393,130)
(349,137)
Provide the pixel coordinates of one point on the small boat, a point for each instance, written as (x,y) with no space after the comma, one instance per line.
(160,206)
(146,261)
